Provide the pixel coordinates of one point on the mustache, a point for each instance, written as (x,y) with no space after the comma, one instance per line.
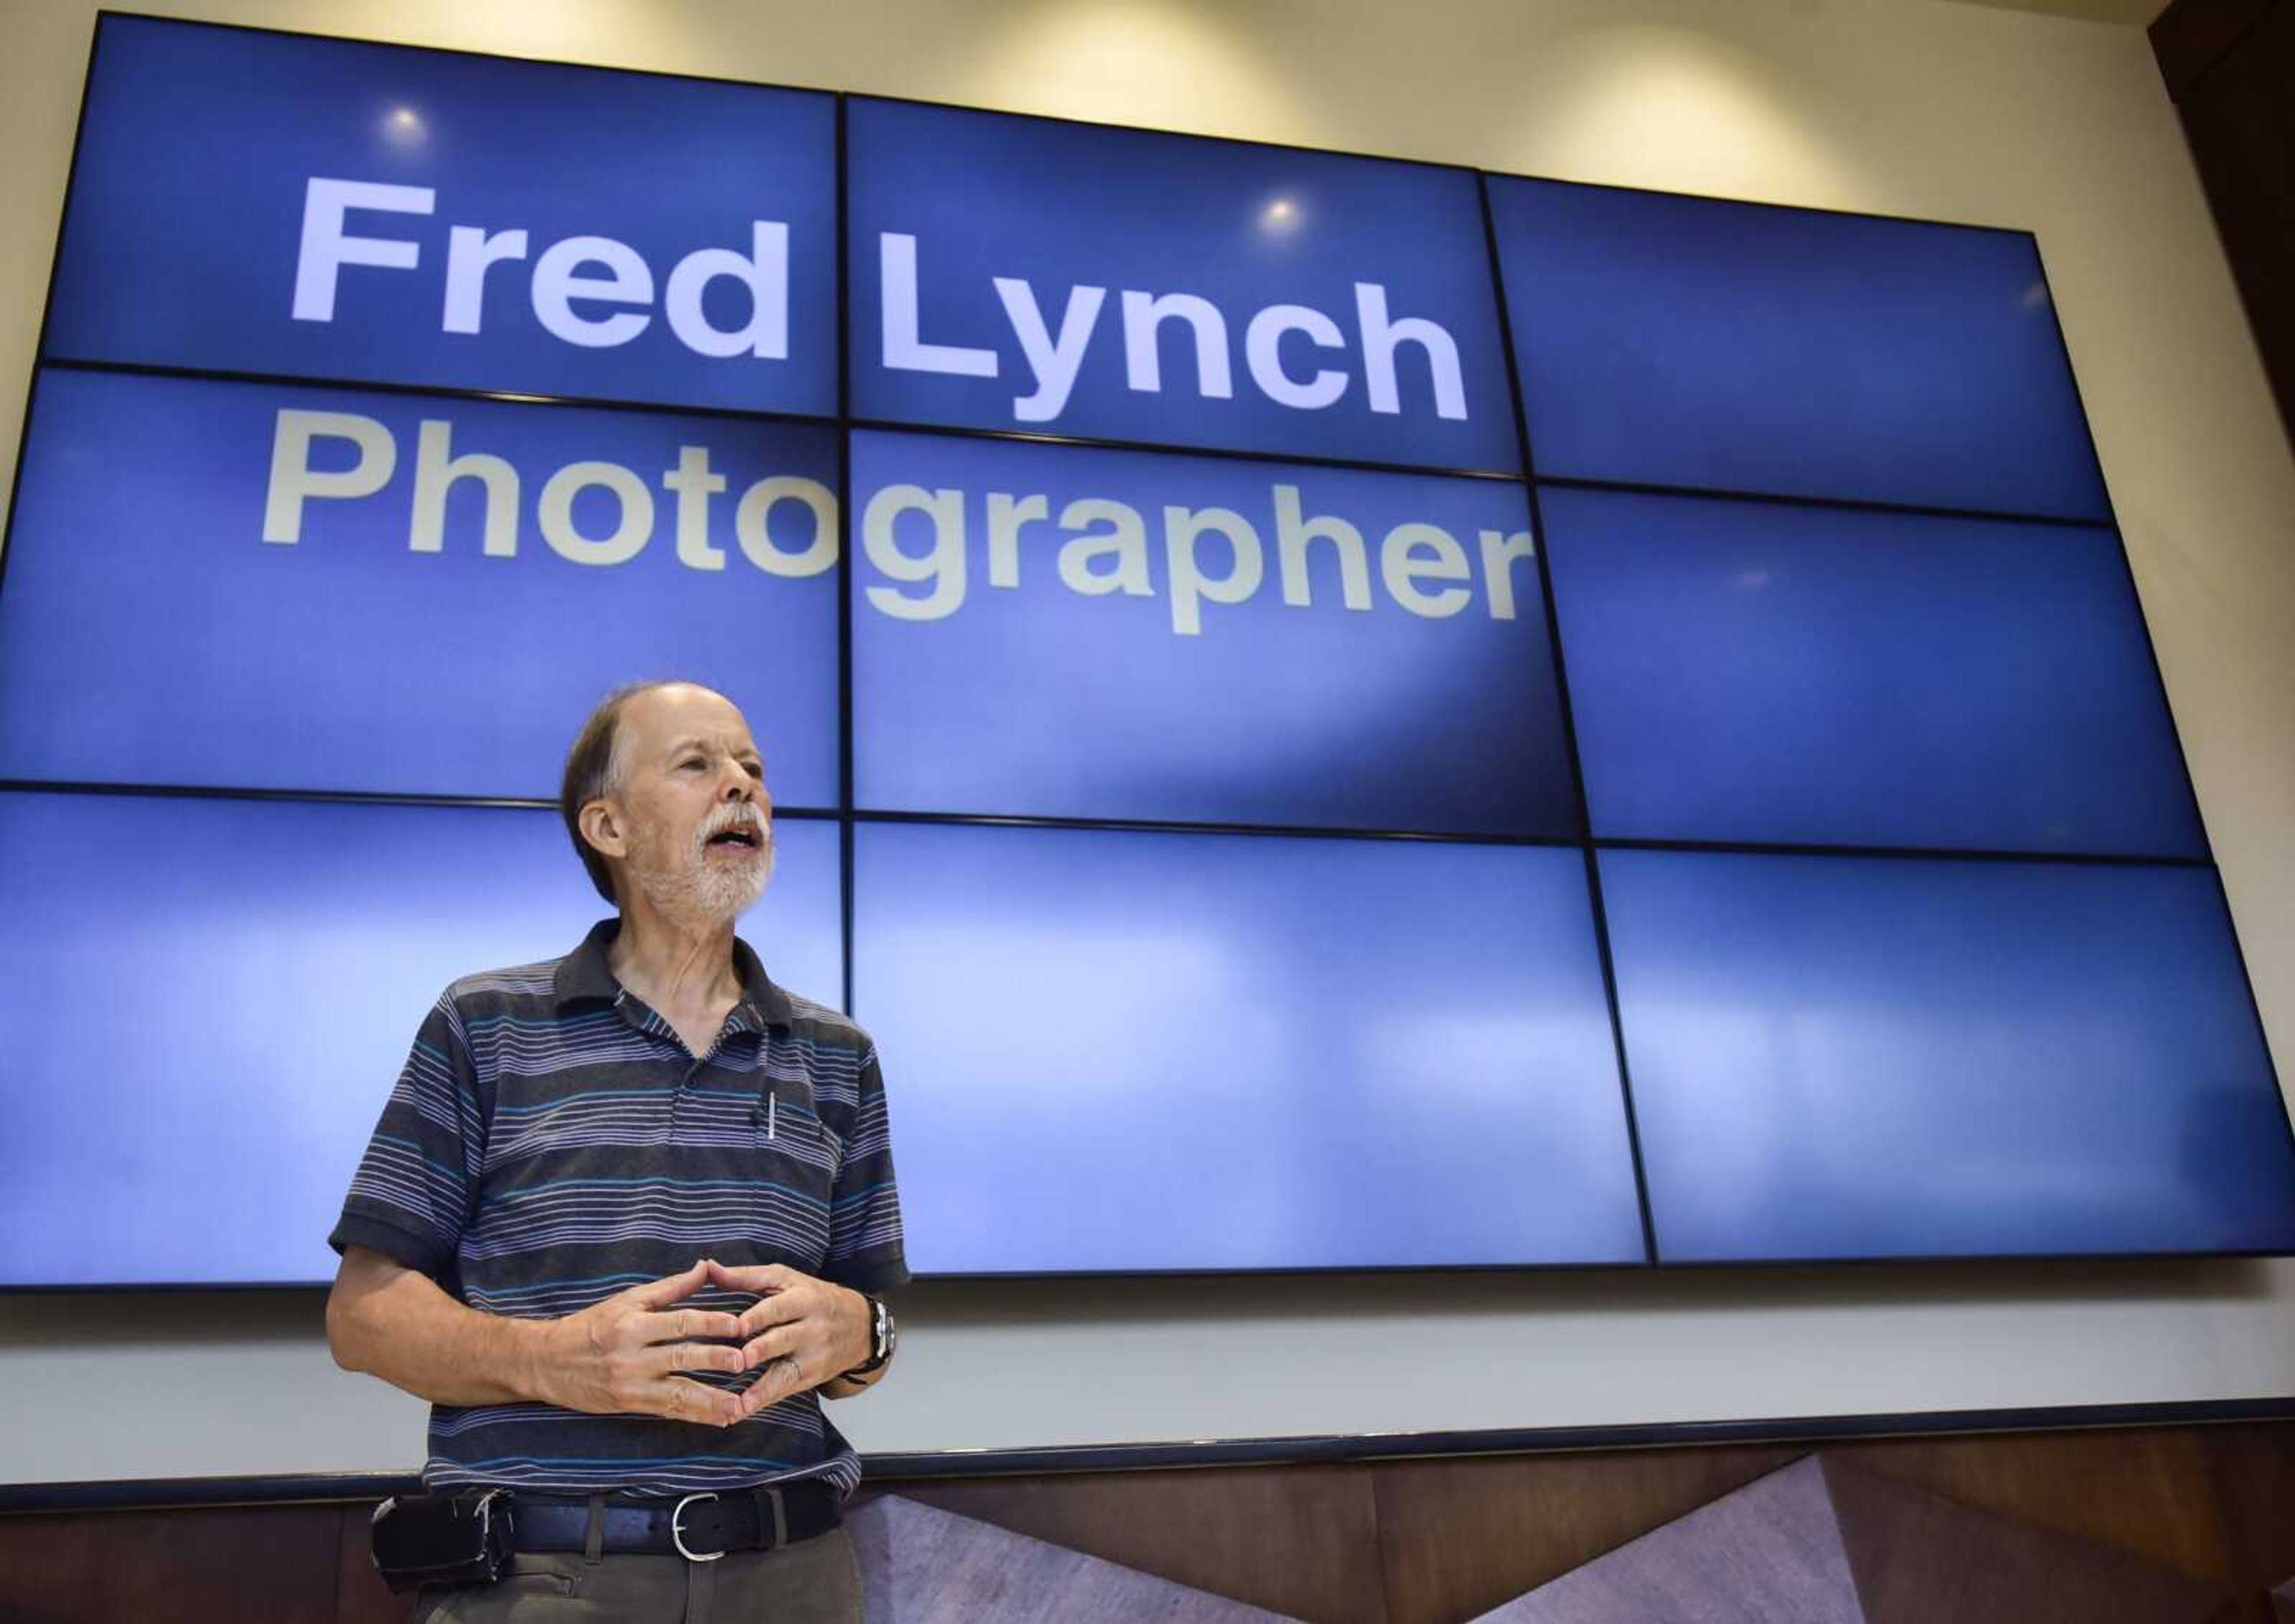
(741,815)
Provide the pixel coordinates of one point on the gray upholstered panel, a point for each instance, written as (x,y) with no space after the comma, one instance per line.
(926,1566)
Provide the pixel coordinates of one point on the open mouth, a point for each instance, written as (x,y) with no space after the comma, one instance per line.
(746,838)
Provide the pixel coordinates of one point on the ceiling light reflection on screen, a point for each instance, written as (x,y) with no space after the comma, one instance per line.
(404,126)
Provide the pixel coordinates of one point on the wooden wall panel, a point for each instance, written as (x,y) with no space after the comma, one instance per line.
(1456,1538)
(1428,1541)
(361,1597)
(1921,1557)
(2231,67)
(2190,35)
(2149,1493)
(171,1567)
(2252,1470)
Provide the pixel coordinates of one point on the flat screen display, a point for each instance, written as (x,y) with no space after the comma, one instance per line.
(265,202)
(1234,641)
(1789,352)
(1071,279)
(1860,1057)
(290,587)
(247,977)
(1121,1051)
(1823,676)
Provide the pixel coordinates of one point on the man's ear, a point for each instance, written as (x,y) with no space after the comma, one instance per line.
(601,826)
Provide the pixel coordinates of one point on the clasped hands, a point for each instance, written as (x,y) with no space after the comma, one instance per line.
(631,1353)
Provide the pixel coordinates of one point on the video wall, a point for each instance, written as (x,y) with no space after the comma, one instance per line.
(1325,712)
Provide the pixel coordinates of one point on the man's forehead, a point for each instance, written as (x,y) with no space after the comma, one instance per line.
(661,718)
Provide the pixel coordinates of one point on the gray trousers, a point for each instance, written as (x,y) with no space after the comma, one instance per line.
(814,1582)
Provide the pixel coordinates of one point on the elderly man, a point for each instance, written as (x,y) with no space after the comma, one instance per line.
(620,1214)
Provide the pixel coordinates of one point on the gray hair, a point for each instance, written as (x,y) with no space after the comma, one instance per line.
(594,768)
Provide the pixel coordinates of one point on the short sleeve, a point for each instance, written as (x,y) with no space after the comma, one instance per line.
(864,1208)
(411,1196)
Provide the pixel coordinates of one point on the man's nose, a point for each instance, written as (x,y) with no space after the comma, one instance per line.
(740,786)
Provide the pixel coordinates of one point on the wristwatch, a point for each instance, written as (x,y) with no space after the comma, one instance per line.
(884,1336)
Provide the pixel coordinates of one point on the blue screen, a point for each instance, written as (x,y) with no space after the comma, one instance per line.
(1151,1051)
(1339,689)
(151,633)
(1192,752)
(206,1002)
(1683,341)
(196,234)
(1742,672)
(1316,302)
(1860,1057)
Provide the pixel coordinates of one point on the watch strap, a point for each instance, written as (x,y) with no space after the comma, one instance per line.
(880,1337)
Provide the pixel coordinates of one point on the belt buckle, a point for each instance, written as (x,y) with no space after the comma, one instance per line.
(677,1531)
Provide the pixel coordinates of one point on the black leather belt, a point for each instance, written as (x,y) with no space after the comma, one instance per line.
(700,1528)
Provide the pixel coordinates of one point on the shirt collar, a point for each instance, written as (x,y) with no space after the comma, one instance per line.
(583,976)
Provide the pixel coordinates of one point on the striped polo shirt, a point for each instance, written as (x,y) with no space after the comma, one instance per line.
(553,1141)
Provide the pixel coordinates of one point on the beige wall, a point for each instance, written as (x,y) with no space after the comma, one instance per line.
(1915,106)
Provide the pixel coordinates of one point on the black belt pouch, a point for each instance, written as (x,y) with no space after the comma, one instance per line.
(442,1539)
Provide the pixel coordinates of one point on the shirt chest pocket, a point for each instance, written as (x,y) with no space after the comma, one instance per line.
(796,1156)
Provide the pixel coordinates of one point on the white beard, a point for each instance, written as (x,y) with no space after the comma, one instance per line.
(702,890)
